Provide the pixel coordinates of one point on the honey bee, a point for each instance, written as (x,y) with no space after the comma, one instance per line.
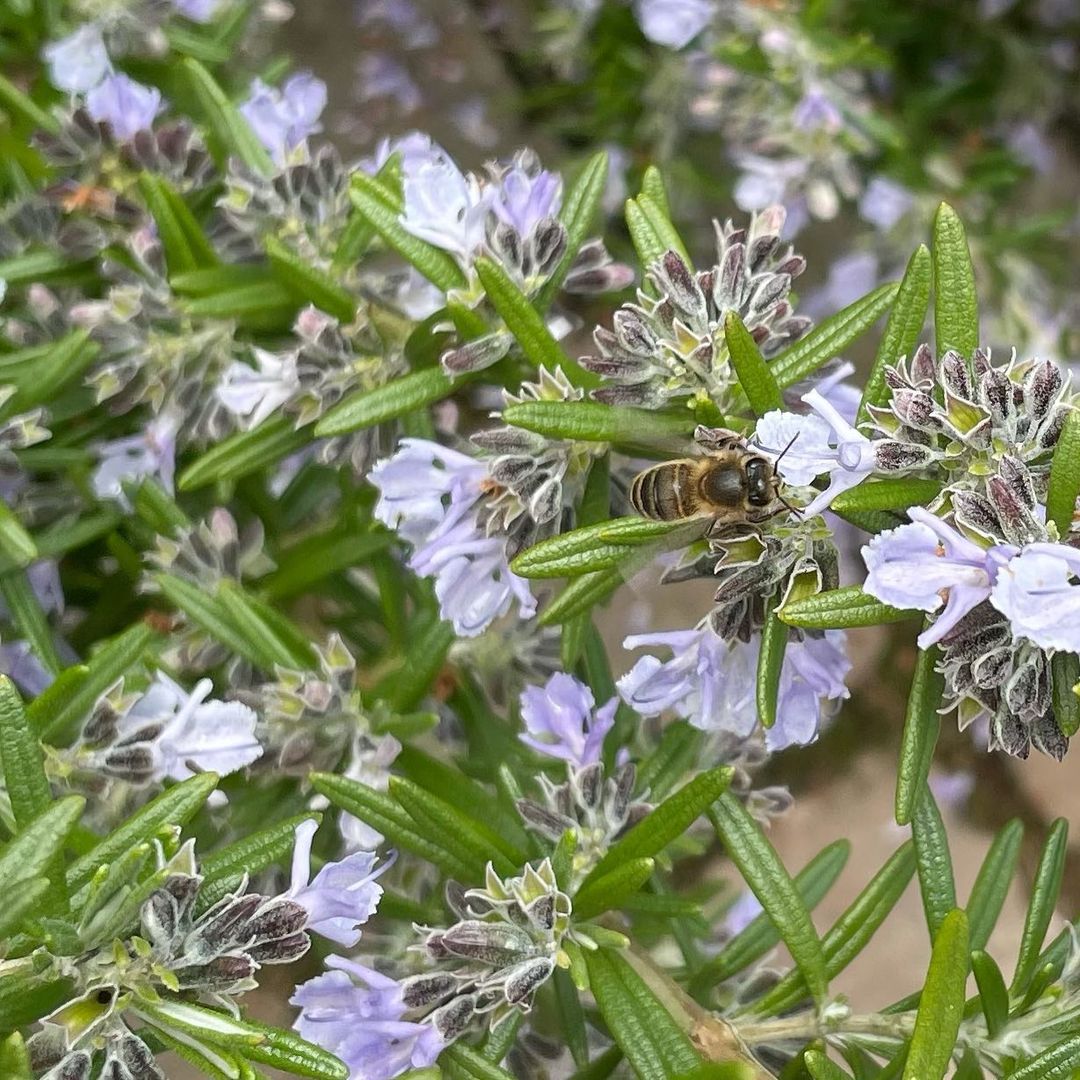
(731,483)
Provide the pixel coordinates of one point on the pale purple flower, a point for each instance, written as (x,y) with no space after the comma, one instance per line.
(419,483)
(816,112)
(44,576)
(380,75)
(473,581)
(429,494)
(885,202)
(415,148)
(416,297)
(952,790)
(766,181)
(746,908)
(813,677)
(78,62)
(562,720)
(357,1013)
(706,681)
(825,443)
(1032,147)
(214,736)
(343,895)
(850,277)
(413,29)
(1036,593)
(153,453)
(673,23)
(929,564)
(711,683)
(126,106)
(20,663)
(255,393)
(472,118)
(200,11)
(369,765)
(522,201)
(444,206)
(283,118)
(843,396)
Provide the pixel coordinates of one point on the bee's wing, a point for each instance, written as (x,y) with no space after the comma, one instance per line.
(649,449)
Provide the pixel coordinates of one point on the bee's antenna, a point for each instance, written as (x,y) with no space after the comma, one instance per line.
(796,510)
(780,456)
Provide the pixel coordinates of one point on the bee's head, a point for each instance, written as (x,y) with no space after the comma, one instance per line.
(760,482)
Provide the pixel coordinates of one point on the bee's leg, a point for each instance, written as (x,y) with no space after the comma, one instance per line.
(716,440)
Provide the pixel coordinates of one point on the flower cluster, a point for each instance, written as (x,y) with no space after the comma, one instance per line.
(670,344)
(188,945)
(502,949)
(434,498)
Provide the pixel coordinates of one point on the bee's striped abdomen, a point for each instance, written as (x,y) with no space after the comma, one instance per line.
(665,492)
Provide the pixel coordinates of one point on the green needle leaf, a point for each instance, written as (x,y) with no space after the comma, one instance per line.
(821,1068)
(1064,486)
(369,198)
(934,862)
(774,636)
(285,1050)
(851,933)
(385,814)
(589,421)
(902,330)
(174,806)
(992,883)
(941,1007)
(17,547)
(956,308)
(58,711)
(309,282)
(922,725)
(645,1031)
(840,609)
(24,764)
(577,214)
(1064,678)
(223,869)
(813,881)
(185,245)
(665,822)
(763,871)
(647,244)
(993,995)
(894,494)
(583,594)
(830,338)
(755,376)
(594,547)
(1044,897)
(367,408)
(468,839)
(26,613)
(527,324)
(461,1062)
(246,452)
(1059,1062)
(609,891)
(656,214)
(224,119)
(33,850)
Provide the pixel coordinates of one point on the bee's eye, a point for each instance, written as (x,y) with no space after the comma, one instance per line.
(758,488)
